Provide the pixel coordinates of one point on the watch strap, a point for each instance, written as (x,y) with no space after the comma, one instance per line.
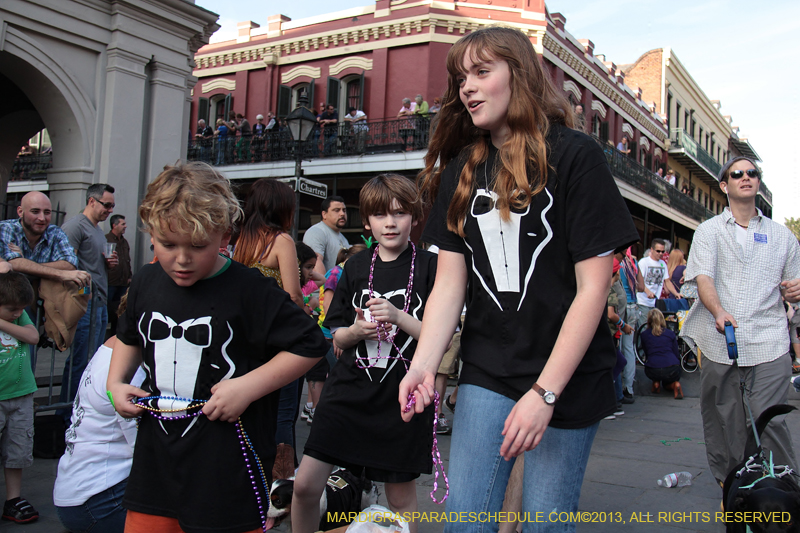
(538,389)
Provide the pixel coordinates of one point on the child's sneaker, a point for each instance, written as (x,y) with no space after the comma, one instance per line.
(20,511)
(443,426)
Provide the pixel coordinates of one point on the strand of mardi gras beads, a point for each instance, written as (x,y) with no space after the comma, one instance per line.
(244,442)
(437,457)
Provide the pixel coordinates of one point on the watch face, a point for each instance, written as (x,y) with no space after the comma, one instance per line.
(549,398)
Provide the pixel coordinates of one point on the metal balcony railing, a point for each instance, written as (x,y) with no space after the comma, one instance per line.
(31,166)
(681,139)
(632,173)
(343,139)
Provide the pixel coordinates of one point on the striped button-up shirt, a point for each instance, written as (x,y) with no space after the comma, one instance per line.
(748,284)
(52,246)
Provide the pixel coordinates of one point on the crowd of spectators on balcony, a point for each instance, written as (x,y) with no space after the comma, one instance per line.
(235,140)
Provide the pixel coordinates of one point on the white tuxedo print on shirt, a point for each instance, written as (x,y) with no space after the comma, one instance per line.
(504,245)
(178,354)
(397,298)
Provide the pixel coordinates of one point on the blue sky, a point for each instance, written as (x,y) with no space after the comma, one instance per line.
(740,53)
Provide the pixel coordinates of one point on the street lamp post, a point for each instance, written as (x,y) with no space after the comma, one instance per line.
(301,124)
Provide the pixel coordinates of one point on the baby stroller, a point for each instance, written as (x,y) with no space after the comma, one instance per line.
(674,312)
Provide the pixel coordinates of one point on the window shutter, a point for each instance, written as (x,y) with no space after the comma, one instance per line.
(361,93)
(228,106)
(332,97)
(202,109)
(284,100)
(310,104)
(604,131)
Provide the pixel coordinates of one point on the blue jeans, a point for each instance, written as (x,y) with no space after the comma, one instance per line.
(629,372)
(81,345)
(102,512)
(478,475)
(287,414)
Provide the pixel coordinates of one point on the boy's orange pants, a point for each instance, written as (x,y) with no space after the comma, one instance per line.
(148,523)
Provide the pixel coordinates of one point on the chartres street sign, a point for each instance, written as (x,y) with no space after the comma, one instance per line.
(312,188)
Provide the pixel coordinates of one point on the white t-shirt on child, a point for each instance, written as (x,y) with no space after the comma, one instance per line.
(100,443)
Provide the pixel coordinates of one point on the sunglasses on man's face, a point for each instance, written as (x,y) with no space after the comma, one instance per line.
(737,174)
(107,205)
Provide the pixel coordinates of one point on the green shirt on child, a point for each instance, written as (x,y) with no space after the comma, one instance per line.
(16,374)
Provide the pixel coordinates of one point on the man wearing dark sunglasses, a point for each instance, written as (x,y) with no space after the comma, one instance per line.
(88,240)
(742,263)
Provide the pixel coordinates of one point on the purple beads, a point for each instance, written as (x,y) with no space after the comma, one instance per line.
(437,457)
(383,329)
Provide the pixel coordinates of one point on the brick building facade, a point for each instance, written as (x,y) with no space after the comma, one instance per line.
(372,57)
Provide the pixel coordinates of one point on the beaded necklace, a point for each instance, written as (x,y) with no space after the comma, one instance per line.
(385,330)
(437,457)
(248,450)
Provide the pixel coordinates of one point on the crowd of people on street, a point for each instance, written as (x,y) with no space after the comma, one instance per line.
(536,316)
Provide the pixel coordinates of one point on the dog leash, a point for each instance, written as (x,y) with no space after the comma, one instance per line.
(248,450)
(733,354)
(437,457)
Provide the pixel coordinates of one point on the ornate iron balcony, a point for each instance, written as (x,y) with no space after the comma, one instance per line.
(684,145)
(632,173)
(341,139)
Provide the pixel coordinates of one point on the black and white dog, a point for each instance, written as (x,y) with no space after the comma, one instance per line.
(344,494)
(749,488)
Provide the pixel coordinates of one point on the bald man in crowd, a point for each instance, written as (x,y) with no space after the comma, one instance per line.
(35,247)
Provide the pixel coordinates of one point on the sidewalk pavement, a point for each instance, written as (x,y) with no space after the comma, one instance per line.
(657,435)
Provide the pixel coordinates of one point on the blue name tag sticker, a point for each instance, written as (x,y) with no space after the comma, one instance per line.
(760,237)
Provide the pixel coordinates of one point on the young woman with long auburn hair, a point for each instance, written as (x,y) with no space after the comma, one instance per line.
(264,241)
(526,215)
